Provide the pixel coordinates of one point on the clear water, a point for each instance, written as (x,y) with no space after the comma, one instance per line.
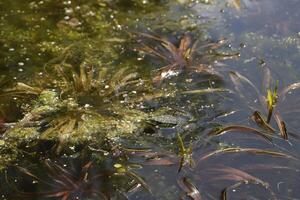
(135,153)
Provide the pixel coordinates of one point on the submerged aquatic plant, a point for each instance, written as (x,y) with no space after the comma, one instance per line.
(89,174)
(214,173)
(185,154)
(65,121)
(78,98)
(66,184)
(178,58)
(271,104)
(126,171)
(100,83)
(240,129)
(207,173)
(88,78)
(87,181)
(272,97)
(77,103)
(239,178)
(189,188)
(22,89)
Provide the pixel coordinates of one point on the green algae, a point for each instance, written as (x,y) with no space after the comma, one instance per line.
(77,80)
(23,134)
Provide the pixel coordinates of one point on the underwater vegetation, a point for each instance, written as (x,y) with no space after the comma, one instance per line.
(64,112)
(84,103)
(74,180)
(81,105)
(131,100)
(65,184)
(270,100)
(180,58)
(79,101)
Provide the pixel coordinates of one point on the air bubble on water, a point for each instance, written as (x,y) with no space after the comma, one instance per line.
(91,13)
(67,2)
(11,49)
(68,10)
(20,70)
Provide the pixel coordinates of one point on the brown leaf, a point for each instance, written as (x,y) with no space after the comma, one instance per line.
(185,42)
(238,128)
(189,188)
(159,161)
(281,125)
(247,150)
(260,121)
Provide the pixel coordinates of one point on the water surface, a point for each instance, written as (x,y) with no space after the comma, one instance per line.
(118,136)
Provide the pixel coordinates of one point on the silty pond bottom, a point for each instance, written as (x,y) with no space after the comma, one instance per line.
(151,99)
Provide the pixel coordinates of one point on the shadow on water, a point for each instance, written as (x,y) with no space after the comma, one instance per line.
(149,99)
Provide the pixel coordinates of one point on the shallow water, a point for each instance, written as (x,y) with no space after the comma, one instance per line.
(118,137)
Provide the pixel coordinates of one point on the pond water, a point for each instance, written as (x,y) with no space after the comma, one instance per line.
(149,99)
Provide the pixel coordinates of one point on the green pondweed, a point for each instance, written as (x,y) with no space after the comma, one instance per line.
(272,96)
(185,154)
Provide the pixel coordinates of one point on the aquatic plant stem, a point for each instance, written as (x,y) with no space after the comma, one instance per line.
(270,112)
